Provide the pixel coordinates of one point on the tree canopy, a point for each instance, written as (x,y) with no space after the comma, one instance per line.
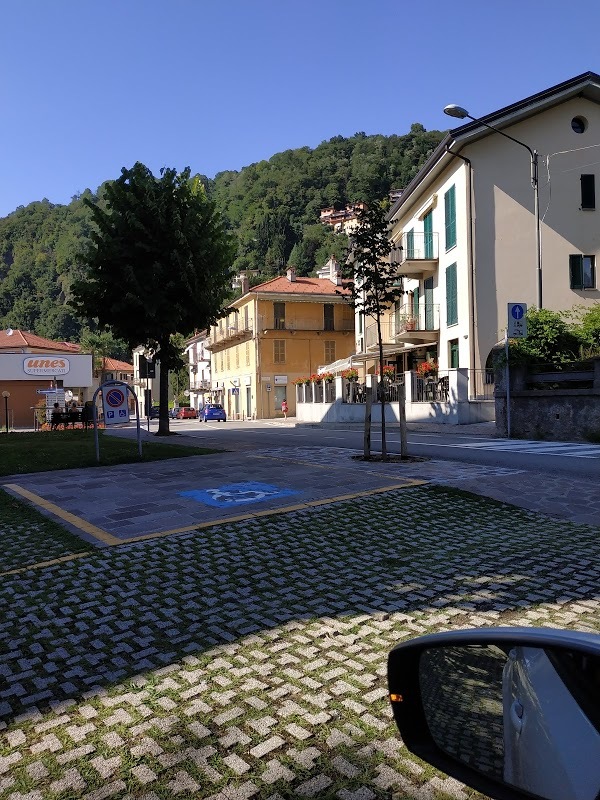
(159,264)
(272,209)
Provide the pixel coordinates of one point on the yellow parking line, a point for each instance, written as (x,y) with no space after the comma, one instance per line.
(66,516)
(41,564)
(409,482)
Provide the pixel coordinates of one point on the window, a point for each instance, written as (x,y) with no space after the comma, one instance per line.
(279,351)
(453,353)
(328,317)
(450,216)
(228,360)
(582,270)
(237,357)
(329,352)
(246,325)
(410,244)
(247,354)
(221,360)
(451,296)
(279,316)
(588,191)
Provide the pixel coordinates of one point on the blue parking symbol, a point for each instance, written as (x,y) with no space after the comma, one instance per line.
(235,494)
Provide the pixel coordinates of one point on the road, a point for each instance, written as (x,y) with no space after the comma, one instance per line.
(450,443)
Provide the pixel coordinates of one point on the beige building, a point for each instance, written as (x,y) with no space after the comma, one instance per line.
(283,329)
(464,230)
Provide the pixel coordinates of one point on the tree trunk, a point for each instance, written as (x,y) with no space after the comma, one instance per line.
(163,395)
(367,437)
(402,418)
(381,389)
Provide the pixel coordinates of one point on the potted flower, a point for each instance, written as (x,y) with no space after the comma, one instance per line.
(328,377)
(300,381)
(427,368)
(410,324)
(350,374)
(389,372)
(315,378)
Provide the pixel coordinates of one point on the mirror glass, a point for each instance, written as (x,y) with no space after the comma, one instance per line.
(528,717)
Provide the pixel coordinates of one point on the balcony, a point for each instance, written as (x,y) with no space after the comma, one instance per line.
(388,331)
(222,337)
(417,325)
(416,254)
(271,324)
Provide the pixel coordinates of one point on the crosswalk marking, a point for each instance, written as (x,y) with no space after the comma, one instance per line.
(567,449)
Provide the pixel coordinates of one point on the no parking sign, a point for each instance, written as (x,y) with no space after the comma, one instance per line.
(116,409)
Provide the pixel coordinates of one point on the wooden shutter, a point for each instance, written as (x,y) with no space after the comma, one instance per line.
(450,217)
(576,271)
(451,296)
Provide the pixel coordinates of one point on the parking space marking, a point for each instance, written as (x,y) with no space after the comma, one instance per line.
(77,522)
(408,483)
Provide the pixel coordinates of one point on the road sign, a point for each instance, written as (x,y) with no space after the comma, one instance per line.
(517,320)
(116,410)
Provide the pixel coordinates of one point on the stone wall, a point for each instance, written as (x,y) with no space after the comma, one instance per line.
(553,414)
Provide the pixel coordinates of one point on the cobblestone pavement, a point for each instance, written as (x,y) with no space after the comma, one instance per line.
(248,660)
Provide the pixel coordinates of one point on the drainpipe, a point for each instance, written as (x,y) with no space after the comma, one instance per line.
(470,256)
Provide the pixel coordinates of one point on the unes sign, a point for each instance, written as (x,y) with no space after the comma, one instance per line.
(47,366)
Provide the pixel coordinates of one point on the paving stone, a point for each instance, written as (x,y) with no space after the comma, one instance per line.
(237,764)
(143,774)
(314,786)
(276,771)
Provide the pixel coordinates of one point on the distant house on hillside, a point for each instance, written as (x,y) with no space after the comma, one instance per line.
(342,220)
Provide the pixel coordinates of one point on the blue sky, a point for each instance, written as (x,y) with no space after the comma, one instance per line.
(90,86)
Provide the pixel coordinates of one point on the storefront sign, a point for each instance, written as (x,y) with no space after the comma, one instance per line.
(45,365)
(280,380)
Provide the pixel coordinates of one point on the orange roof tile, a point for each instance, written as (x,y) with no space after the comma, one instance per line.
(113,365)
(282,285)
(25,339)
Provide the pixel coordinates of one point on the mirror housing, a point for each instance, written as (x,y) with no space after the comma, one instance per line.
(524,701)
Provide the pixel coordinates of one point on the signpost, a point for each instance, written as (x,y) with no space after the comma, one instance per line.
(116,409)
(515,329)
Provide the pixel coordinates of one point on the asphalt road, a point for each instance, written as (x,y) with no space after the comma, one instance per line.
(578,458)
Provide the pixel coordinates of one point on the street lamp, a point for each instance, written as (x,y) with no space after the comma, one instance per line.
(6,395)
(461,113)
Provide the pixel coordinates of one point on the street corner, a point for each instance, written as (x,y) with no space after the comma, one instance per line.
(238,494)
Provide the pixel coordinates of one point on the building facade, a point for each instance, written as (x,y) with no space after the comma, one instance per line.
(283,329)
(198,357)
(464,230)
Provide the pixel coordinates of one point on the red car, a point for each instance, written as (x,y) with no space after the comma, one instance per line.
(186,412)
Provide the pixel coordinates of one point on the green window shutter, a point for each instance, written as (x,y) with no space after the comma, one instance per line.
(410,244)
(416,303)
(576,271)
(451,296)
(450,217)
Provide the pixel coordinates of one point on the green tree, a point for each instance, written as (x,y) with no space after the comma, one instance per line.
(550,339)
(103,344)
(375,285)
(159,264)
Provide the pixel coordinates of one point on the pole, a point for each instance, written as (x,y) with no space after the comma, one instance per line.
(538,232)
(6,411)
(507,385)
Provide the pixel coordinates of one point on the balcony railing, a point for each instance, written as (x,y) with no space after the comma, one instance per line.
(409,318)
(228,333)
(269,323)
(415,247)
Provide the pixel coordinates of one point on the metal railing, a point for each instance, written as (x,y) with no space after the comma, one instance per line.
(431,389)
(481,384)
(422,317)
(415,246)
(270,323)
(354,392)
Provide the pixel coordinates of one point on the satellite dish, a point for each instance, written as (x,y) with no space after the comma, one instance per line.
(9,331)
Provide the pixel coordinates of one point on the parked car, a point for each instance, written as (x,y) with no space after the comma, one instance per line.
(214,411)
(154,411)
(173,412)
(186,412)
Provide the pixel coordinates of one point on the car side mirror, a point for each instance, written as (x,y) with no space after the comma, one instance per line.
(511,712)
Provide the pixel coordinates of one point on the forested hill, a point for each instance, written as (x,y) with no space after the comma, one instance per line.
(272,207)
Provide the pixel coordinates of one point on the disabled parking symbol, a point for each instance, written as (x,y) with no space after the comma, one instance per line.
(236,494)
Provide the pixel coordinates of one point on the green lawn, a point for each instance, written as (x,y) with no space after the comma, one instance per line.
(21,453)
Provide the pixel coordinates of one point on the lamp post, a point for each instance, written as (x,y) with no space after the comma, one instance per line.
(460,113)
(6,395)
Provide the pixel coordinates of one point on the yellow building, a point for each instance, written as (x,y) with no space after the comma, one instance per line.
(283,329)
